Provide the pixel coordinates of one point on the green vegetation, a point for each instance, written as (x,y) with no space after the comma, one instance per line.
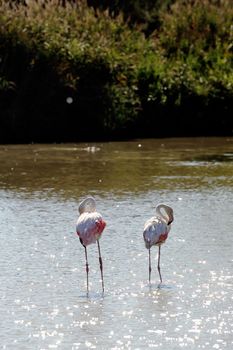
(71,72)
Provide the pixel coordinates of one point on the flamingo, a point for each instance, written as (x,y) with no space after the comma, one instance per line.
(89,228)
(156,231)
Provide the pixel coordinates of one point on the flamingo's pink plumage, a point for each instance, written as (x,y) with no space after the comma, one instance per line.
(89,228)
(156,231)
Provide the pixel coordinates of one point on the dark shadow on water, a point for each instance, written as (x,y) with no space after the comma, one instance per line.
(161,286)
(165,286)
(92,296)
(227,157)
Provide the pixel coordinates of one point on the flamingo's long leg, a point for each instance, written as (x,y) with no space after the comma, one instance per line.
(101,266)
(159,265)
(149,266)
(87,268)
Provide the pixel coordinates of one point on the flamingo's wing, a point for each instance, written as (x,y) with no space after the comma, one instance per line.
(89,227)
(155,232)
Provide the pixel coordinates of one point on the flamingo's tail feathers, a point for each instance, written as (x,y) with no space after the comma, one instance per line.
(87,205)
(147,239)
(81,241)
(147,243)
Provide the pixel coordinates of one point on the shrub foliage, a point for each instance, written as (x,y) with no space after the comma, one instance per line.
(71,70)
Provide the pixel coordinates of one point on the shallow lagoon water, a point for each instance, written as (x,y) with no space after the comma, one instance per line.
(42,265)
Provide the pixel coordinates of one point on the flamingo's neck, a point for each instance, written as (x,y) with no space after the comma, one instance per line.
(87,205)
(167,217)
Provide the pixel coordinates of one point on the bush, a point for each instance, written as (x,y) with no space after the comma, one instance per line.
(70,72)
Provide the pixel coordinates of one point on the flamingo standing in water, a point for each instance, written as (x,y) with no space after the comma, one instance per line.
(89,228)
(156,230)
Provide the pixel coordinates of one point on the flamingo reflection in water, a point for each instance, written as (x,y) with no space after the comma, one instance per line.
(156,231)
(89,228)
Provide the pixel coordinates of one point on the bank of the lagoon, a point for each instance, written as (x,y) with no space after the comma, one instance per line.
(72,73)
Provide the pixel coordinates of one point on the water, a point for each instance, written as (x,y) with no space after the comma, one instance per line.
(42,267)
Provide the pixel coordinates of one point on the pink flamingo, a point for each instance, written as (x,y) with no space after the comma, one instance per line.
(89,227)
(156,230)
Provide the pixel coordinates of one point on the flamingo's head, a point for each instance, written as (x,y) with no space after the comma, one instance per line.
(165,212)
(87,205)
